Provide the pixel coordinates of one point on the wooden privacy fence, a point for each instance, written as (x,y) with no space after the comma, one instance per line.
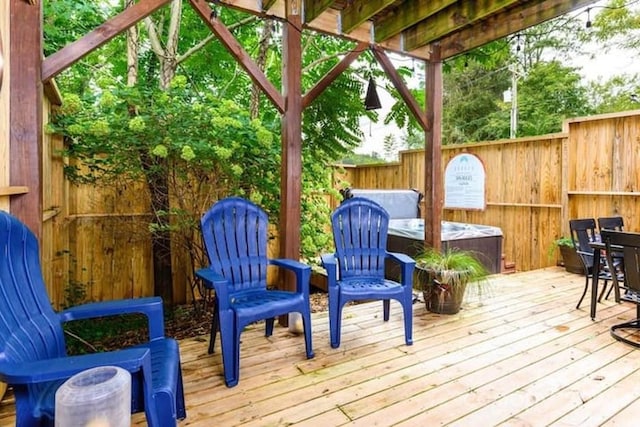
(535,185)
(95,240)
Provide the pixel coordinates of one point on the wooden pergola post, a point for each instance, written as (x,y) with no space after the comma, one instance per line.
(433,182)
(291,169)
(25,103)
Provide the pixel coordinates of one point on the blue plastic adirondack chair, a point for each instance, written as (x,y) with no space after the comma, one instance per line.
(235,237)
(33,358)
(356,270)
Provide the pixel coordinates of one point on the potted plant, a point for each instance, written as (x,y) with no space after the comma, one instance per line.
(569,257)
(443,277)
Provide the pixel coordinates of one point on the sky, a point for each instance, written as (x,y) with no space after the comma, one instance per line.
(594,65)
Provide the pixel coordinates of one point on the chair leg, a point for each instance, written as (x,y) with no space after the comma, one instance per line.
(335,317)
(230,342)
(633,324)
(584,292)
(407,308)
(181,410)
(306,324)
(268,327)
(604,289)
(215,325)
(385,309)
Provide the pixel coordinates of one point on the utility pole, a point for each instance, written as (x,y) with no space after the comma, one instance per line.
(514,100)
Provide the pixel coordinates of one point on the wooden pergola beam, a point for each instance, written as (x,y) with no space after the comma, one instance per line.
(400,86)
(314,8)
(358,11)
(329,22)
(433,179)
(236,50)
(411,12)
(454,17)
(291,167)
(25,101)
(266,5)
(333,74)
(503,24)
(73,52)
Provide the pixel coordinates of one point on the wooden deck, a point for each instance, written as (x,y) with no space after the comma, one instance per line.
(523,356)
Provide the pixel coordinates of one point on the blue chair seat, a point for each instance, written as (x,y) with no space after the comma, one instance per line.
(363,288)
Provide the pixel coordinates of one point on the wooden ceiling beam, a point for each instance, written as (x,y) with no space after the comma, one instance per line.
(502,24)
(237,51)
(401,87)
(266,5)
(73,52)
(359,11)
(328,23)
(453,18)
(333,74)
(314,8)
(410,13)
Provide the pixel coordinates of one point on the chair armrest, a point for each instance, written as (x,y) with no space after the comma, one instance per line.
(330,264)
(301,270)
(151,307)
(219,283)
(401,258)
(407,265)
(132,360)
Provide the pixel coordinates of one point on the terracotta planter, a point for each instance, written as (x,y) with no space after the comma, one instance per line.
(439,296)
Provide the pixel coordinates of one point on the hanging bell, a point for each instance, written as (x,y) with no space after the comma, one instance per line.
(371,101)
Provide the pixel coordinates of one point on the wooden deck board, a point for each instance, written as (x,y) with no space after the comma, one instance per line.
(521,356)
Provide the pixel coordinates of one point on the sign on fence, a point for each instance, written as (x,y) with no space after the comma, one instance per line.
(464,180)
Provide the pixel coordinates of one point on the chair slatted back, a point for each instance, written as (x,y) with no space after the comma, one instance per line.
(630,248)
(29,328)
(611,223)
(360,229)
(583,231)
(235,236)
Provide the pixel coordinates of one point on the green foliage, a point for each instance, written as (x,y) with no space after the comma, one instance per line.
(472,98)
(550,93)
(561,241)
(94,335)
(614,94)
(452,270)
(617,25)
(464,266)
(361,159)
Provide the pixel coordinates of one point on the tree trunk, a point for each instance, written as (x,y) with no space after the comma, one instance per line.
(265,40)
(157,181)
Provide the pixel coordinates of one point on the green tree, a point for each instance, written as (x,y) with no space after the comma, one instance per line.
(549,94)
(619,93)
(390,146)
(169,128)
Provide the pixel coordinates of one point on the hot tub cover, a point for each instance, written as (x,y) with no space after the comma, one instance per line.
(414,229)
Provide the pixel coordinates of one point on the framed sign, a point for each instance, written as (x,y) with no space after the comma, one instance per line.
(464,183)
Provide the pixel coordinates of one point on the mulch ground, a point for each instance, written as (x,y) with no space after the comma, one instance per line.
(184,321)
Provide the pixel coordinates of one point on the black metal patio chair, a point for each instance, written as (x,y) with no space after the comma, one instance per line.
(629,245)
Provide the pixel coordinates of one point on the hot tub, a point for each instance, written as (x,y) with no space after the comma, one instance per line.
(407,236)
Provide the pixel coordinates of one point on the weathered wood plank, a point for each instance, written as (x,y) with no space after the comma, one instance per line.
(25,100)
(358,11)
(409,14)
